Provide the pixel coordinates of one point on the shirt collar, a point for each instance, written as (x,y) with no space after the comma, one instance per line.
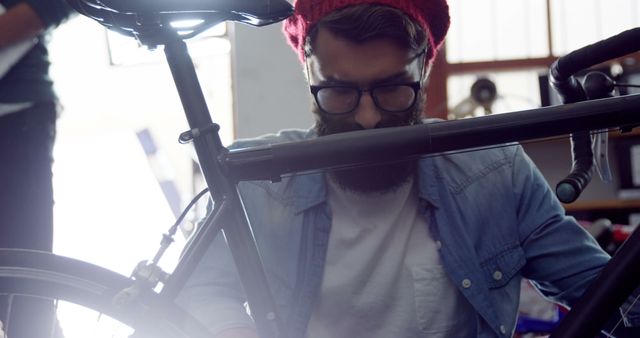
(308,190)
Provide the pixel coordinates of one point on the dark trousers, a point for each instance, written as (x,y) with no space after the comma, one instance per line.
(26,207)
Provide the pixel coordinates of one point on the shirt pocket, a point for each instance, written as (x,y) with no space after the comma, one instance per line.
(500,267)
(437,300)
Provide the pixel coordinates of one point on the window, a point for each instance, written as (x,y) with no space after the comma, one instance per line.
(502,30)
(514,42)
(124,50)
(580,22)
(107,189)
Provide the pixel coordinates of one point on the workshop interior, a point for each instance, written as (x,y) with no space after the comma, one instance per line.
(121,175)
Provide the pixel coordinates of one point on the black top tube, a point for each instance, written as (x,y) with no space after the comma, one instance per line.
(390,144)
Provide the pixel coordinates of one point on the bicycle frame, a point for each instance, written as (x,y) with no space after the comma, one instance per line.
(223,169)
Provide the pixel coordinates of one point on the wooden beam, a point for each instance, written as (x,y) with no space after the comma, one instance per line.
(436,90)
(503,65)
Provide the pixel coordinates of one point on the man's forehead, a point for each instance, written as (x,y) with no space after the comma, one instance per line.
(336,58)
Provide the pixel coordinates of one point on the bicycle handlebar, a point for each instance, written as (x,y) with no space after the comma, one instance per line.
(562,79)
(611,48)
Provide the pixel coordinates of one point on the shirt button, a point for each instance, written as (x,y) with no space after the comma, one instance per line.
(466,283)
(497,275)
(439,244)
(503,329)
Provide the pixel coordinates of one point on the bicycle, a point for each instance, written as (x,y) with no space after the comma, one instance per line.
(133,300)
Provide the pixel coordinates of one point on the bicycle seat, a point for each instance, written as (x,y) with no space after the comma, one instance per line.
(256,8)
(148,19)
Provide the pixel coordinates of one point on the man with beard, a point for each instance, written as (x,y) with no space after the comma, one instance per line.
(435,247)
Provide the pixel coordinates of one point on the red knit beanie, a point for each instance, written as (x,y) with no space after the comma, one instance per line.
(431,15)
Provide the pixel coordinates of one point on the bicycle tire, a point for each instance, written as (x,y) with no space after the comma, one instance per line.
(46,275)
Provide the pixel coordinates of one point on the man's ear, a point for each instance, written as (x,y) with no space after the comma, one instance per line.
(308,65)
(427,71)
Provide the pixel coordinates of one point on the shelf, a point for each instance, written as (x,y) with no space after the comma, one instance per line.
(634,132)
(613,134)
(603,205)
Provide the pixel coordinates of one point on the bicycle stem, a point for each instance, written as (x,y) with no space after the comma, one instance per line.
(237,229)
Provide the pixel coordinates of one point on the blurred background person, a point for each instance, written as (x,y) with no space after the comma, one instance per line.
(28,112)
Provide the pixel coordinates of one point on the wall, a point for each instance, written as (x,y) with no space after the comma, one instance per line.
(270,90)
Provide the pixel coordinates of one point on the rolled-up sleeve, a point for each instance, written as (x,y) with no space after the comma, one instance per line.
(562,258)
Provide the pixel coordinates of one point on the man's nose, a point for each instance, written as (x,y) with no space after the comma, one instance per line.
(367,115)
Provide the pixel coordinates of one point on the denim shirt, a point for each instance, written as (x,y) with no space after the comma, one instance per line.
(490,211)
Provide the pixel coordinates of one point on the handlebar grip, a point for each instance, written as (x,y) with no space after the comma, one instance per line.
(570,188)
(593,54)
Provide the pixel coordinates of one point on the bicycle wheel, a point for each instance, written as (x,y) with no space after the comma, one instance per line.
(29,273)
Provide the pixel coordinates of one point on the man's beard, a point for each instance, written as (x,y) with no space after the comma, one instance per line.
(378,178)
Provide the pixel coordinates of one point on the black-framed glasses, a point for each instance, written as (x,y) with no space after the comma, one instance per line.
(344,98)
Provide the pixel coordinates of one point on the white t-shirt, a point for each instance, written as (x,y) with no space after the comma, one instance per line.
(383,276)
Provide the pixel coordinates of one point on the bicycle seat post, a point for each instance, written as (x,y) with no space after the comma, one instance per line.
(210,153)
